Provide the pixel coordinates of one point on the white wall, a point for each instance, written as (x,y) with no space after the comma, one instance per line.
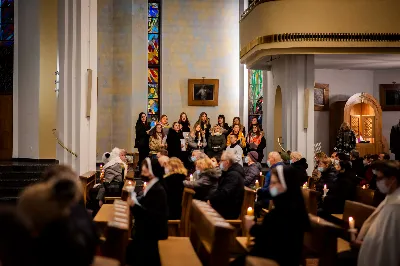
(200,39)
(342,85)
(388,118)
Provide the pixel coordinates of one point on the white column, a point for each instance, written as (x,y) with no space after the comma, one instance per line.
(139,60)
(77,54)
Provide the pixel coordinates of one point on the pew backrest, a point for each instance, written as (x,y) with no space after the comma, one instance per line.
(211,235)
(311,200)
(258,261)
(359,211)
(365,196)
(248,201)
(187,198)
(322,240)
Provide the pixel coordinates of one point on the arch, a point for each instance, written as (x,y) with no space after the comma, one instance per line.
(371,101)
(277,117)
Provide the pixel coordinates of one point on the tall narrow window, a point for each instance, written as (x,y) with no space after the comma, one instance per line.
(154,57)
(6,46)
(255,95)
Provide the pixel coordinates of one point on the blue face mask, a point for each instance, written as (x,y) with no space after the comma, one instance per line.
(269,164)
(274,192)
(221,166)
(193,158)
(246,160)
(291,161)
(321,169)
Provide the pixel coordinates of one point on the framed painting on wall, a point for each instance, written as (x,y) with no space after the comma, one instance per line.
(203,92)
(389,97)
(321,97)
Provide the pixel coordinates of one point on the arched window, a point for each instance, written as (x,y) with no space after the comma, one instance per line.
(154,60)
(255,95)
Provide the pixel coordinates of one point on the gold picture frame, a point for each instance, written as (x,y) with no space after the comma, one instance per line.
(203,92)
(321,97)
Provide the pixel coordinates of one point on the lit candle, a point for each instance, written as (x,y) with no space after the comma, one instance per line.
(250,211)
(101,167)
(260,173)
(129,183)
(352,229)
(305,185)
(325,190)
(363,187)
(257,184)
(145,185)
(191,178)
(324,186)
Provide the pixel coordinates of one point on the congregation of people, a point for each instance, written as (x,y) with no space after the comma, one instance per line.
(217,162)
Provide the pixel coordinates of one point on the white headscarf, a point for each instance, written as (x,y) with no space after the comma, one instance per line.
(114,158)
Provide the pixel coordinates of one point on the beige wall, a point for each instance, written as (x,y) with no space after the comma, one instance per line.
(200,39)
(48,65)
(278,118)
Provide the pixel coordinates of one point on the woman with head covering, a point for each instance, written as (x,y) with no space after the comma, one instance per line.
(151,218)
(280,237)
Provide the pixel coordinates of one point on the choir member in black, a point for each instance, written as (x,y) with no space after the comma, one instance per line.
(223,125)
(184,122)
(174,141)
(395,140)
(151,219)
(205,125)
(142,137)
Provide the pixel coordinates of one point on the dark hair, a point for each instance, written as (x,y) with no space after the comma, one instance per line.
(345,165)
(235,135)
(163,152)
(388,168)
(385,156)
(258,133)
(355,154)
(374,157)
(139,120)
(367,156)
(155,131)
(180,118)
(223,118)
(343,157)
(217,157)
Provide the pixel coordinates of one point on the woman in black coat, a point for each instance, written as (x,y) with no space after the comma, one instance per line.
(280,236)
(175,174)
(174,141)
(184,122)
(142,137)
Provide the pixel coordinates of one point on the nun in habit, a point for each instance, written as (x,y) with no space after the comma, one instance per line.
(280,236)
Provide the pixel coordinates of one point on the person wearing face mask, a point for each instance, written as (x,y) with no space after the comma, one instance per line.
(216,142)
(228,198)
(175,174)
(378,239)
(300,164)
(235,148)
(341,189)
(369,174)
(252,171)
(207,179)
(279,238)
(151,219)
(328,174)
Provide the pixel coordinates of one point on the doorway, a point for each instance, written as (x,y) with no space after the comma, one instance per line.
(277,118)
(6,127)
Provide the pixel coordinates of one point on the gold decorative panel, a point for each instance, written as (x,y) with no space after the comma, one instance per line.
(368,127)
(355,124)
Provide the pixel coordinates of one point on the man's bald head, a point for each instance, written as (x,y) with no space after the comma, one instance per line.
(274,157)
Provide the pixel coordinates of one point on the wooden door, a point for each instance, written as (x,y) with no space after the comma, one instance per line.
(6,127)
(336,113)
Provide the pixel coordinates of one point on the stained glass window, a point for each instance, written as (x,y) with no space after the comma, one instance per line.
(153,61)
(6,46)
(255,95)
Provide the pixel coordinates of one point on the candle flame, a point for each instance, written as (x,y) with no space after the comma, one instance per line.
(260,173)
(363,187)
(325,186)
(249,209)
(351,219)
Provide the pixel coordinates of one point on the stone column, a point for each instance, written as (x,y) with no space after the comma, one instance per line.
(294,74)
(243,79)
(77,54)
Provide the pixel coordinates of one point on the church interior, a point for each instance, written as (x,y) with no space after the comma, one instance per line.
(182,132)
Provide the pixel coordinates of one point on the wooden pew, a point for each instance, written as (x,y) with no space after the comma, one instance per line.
(88,180)
(117,233)
(311,200)
(208,244)
(365,196)
(321,241)
(248,201)
(102,261)
(257,261)
(262,181)
(182,227)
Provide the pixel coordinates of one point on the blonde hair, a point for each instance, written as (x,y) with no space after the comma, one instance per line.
(345,126)
(326,161)
(193,131)
(204,163)
(274,154)
(296,155)
(216,129)
(175,166)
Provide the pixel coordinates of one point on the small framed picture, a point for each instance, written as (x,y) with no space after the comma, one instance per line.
(389,97)
(321,97)
(203,92)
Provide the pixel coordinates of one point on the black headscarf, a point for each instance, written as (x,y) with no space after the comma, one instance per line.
(291,201)
(140,123)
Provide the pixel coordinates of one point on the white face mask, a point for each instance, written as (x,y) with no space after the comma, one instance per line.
(381,184)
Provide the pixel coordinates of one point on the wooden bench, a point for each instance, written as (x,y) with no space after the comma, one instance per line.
(117,232)
(88,180)
(257,261)
(262,181)
(103,216)
(182,227)
(311,200)
(102,261)
(365,196)
(321,241)
(248,201)
(209,242)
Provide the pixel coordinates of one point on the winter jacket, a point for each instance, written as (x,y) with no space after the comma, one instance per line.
(251,174)
(206,183)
